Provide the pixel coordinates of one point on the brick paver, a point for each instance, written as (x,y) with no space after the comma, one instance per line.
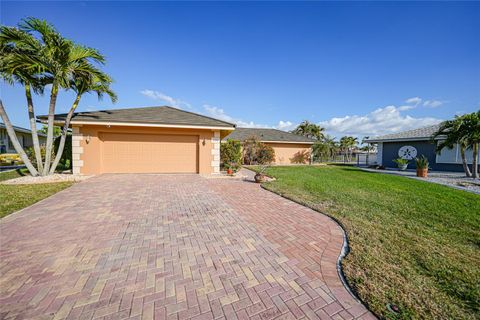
(171,247)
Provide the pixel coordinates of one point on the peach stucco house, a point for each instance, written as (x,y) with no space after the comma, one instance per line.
(145,140)
(285,144)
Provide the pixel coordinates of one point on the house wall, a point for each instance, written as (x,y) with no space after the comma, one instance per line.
(87,146)
(427,148)
(284,152)
(25,140)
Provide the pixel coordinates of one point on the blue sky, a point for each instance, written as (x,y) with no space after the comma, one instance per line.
(359,68)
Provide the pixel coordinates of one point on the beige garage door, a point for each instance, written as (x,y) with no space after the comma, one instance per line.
(149,153)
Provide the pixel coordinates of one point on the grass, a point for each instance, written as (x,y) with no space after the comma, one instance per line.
(12,174)
(16,197)
(412,243)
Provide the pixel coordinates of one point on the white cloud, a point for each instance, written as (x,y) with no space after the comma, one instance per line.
(381,121)
(414,100)
(286,125)
(405,108)
(157,95)
(219,113)
(432,103)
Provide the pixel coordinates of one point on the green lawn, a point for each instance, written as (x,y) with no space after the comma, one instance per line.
(16,197)
(413,243)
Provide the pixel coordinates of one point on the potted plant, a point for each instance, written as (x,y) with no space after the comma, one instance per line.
(401,163)
(229,168)
(260,176)
(422,166)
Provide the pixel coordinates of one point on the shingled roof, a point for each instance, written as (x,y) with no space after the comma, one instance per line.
(20,129)
(267,135)
(163,115)
(424,133)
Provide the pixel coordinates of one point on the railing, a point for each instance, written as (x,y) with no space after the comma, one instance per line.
(360,159)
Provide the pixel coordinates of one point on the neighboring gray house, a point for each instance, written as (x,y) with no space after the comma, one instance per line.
(24,137)
(415,143)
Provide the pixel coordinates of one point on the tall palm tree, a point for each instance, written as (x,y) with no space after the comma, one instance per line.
(347,144)
(453,132)
(98,83)
(56,61)
(16,51)
(61,59)
(325,149)
(310,130)
(472,136)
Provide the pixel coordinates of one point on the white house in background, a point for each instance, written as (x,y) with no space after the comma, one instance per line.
(24,137)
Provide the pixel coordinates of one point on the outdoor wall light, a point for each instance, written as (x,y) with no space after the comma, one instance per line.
(87,139)
(203,142)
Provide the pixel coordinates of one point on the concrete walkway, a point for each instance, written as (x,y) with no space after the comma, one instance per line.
(171,247)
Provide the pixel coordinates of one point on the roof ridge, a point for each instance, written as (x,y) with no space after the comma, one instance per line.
(198,114)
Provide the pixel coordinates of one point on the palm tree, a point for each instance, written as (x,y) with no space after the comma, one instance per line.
(347,144)
(310,130)
(472,136)
(56,61)
(61,59)
(98,83)
(17,49)
(453,132)
(325,149)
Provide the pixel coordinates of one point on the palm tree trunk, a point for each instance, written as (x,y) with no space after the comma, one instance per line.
(475,161)
(63,137)
(15,142)
(33,127)
(464,162)
(50,124)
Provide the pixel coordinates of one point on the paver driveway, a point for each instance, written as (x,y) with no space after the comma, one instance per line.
(171,247)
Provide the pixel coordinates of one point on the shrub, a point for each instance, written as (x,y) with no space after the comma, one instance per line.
(256,152)
(7,159)
(301,157)
(231,154)
(66,159)
(31,154)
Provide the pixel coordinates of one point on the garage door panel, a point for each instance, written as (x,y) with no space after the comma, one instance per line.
(149,153)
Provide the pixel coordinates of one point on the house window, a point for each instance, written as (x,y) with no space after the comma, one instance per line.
(453,155)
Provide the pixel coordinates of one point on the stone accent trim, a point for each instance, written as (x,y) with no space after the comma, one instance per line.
(77,150)
(216,152)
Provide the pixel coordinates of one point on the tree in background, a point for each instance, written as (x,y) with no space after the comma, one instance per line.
(347,145)
(465,131)
(57,131)
(231,153)
(325,150)
(36,55)
(310,130)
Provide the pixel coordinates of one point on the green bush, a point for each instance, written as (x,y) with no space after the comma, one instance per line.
(257,152)
(66,159)
(31,155)
(231,154)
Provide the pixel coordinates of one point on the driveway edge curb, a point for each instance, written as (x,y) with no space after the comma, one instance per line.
(343,253)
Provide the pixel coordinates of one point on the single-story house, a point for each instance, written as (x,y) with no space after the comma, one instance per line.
(415,143)
(285,144)
(145,140)
(24,137)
